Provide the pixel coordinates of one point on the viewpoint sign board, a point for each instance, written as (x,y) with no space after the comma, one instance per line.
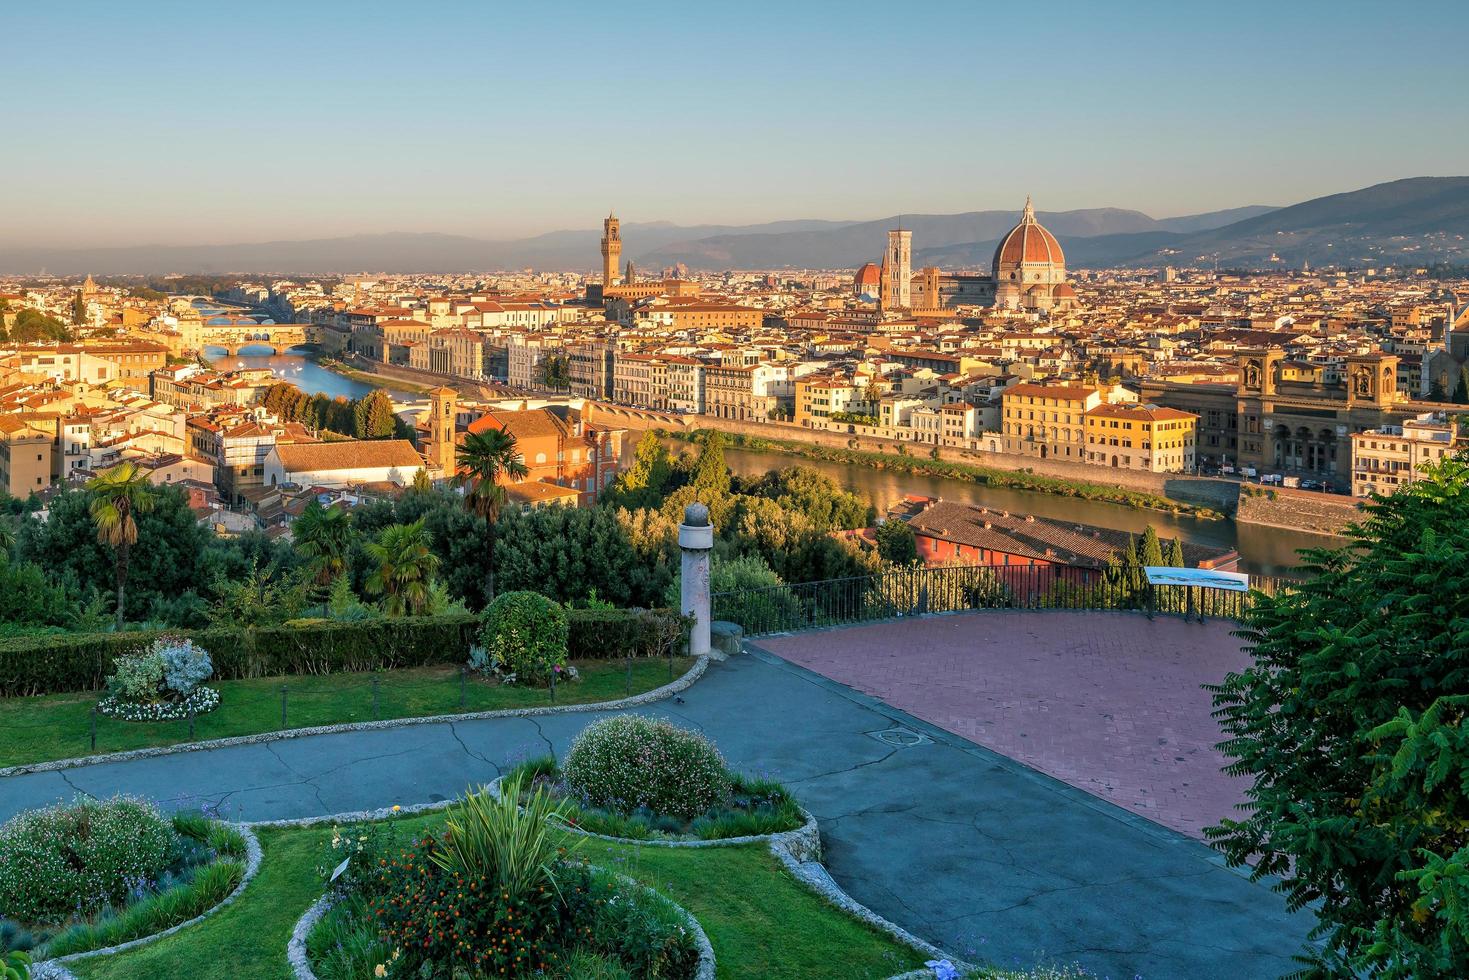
(1202,578)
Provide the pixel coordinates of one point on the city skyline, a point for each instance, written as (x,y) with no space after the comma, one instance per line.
(186,128)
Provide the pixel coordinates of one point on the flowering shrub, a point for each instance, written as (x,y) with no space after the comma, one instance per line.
(76,858)
(524,637)
(463,924)
(630,762)
(161,682)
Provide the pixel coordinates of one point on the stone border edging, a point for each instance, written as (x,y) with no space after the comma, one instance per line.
(55,969)
(804,840)
(300,962)
(690,676)
(815,876)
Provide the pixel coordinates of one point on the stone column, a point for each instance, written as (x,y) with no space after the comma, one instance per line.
(696,540)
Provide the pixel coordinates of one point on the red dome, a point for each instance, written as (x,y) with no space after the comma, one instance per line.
(868,275)
(1027,242)
(1063,289)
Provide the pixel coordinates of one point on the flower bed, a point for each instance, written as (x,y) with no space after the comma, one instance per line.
(640,779)
(161,683)
(199,701)
(95,874)
(497,893)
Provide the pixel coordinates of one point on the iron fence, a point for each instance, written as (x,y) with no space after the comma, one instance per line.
(922,591)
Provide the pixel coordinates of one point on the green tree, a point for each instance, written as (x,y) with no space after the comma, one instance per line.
(33,326)
(711,474)
(644,482)
(1351,722)
(555,372)
(118,495)
(1436,391)
(485,458)
(896,542)
(1174,558)
(78,310)
(1461,390)
(404,570)
(818,496)
(1150,549)
(373,416)
(324,535)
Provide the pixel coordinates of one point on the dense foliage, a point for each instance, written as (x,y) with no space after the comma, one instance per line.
(524,635)
(1351,722)
(629,762)
(368,417)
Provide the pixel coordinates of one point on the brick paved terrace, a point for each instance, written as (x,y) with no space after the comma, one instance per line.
(1110,703)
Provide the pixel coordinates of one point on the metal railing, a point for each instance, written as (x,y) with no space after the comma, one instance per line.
(924,591)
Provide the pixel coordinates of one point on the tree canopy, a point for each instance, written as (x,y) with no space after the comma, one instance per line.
(1351,722)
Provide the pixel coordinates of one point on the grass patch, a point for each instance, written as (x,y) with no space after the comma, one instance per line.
(761,921)
(58,726)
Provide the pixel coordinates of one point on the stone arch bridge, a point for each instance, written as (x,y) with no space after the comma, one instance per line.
(277,336)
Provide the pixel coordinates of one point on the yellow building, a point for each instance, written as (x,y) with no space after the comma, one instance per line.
(1048,421)
(818,395)
(25,457)
(711,316)
(1141,437)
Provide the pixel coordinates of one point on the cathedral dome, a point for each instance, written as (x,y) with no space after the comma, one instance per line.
(868,275)
(1027,244)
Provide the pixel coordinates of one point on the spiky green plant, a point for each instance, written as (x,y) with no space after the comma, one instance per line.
(508,838)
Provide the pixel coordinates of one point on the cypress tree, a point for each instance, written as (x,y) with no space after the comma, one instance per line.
(1150,549)
(1175,554)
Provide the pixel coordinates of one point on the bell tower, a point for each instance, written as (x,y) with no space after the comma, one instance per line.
(442,451)
(611,250)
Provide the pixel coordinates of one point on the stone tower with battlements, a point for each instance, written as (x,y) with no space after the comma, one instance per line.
(611,250)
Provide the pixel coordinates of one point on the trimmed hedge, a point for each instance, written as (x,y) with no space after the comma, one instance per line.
(82,661)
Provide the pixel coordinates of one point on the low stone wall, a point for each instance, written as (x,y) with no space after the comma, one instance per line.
(1324,513)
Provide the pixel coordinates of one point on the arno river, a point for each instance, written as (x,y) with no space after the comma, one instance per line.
(1263,550)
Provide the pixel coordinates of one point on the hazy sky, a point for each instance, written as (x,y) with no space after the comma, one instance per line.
(209,122)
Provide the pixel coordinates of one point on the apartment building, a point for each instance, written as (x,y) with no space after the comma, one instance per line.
(26,452)
(1141,437)
(747,392)
(561,447)
(686,391)
(1392,456)
(455,352)
(1048,421)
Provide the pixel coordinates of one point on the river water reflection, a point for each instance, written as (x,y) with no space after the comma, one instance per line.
(1263,550)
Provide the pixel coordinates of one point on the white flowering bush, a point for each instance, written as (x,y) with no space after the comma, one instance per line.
(73,859)
(630,762)
(161,682)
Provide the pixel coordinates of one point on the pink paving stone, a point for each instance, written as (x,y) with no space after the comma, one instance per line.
(1108,702)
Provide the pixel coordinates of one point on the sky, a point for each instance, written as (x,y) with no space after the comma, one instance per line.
(206,122)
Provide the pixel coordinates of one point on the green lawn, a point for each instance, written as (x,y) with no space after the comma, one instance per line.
(761,921)
(58,726)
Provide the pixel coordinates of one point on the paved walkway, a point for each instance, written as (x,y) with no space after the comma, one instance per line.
(1108,702)
(987,857)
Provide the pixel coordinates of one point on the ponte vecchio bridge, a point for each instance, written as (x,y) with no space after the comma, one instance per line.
(276,336)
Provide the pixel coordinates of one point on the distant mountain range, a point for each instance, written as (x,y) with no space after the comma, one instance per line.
(1419,220)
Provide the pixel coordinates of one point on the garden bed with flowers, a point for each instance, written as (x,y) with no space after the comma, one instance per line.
(163,682)
(641,779)
(98,873)
(498,891)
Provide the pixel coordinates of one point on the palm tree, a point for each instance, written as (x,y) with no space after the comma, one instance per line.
(404,576)
(117,495)
(484,458)
(324,535)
